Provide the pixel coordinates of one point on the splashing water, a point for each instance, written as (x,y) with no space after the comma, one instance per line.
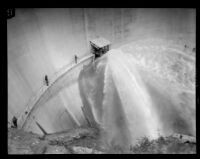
(135,104)
(130,103)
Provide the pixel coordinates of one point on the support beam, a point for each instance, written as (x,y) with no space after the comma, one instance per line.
(41,128)
(34,102)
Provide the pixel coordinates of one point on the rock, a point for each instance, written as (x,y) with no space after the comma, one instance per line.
(185,138)
(82,150)
(69,136)
(56,150)
(85,150)
(38,147)
(15,147)
(97,152)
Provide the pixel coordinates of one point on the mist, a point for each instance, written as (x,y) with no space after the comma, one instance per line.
(130,101)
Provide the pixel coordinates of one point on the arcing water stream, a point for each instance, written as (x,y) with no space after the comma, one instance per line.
(140,92)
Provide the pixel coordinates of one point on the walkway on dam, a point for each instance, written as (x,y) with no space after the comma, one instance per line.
(39,98)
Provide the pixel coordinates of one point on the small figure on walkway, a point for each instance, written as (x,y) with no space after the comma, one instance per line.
(76,58)
(46,80)
(194,49)
(14,122)
(185,46)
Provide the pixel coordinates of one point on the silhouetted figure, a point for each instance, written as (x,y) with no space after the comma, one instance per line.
(76,58)
(185,46)
(187,142)
(194,49)
(46,80)
(14,122)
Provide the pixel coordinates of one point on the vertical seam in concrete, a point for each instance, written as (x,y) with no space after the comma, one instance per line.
(112,26)
(86,27)
(122,36)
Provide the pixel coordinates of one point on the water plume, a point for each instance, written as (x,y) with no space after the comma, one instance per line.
(130,101)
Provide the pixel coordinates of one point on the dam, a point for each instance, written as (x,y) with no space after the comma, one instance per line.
(143,85)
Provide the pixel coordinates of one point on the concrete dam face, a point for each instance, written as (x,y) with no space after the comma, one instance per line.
(144,86)
(131,95)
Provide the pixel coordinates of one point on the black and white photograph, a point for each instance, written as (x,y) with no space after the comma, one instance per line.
(101,81)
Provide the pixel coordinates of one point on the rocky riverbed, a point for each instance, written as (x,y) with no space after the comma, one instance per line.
(88,141)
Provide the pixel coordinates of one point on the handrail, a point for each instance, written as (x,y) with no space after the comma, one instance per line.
(36,97)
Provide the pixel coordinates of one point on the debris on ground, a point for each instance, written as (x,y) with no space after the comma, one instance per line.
(87,141)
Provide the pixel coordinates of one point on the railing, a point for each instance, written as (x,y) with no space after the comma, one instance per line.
(34,100)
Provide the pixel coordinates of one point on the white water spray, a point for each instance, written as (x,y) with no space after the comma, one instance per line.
(135,101)
(130,101)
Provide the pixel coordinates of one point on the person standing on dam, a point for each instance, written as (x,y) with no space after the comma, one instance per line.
(76,58)
(46,80)
(14,122)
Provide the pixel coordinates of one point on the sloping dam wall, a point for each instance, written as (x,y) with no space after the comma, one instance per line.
(48,100)
(43,41)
